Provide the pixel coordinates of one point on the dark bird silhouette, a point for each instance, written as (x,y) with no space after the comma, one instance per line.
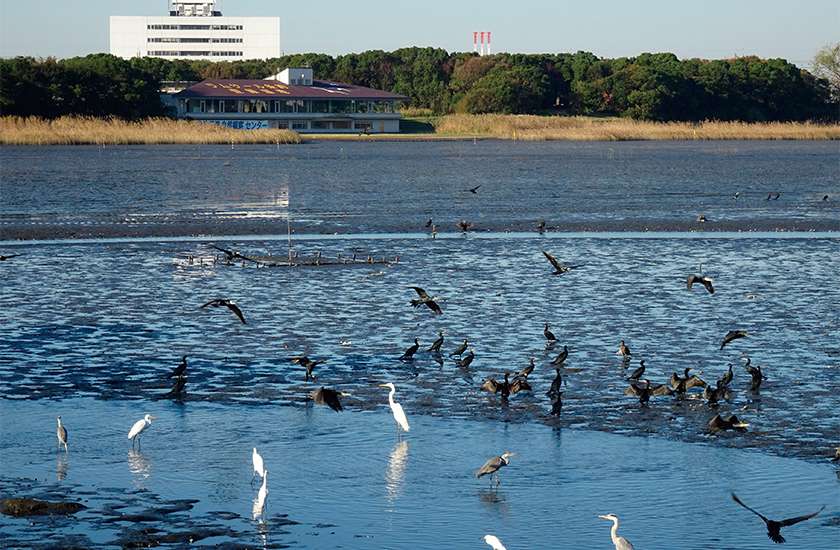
(460,349)
(548,334)
(179,370)
(464,225)
(737,194)
(645,392)
(4,258)
(701,219)
(493,465)
(732,335)
(409,353)
(713,395)
(557,405)
(464,362)
(556,383)
(718,424)
(177,387)
(474,190)
(435,347)
(705,281)
(558,269)
(560,359)
(777,196)
(230,304)
(520,384)
(623,349)
(541,227)
(825,197)
(768,196)
(755,372)
(425,299)
(304,361)
(326,396)
(506,388)
(429,223)
(727,377)
(527,369)
(639,371)
(686,382)
(231,255)
(773,527)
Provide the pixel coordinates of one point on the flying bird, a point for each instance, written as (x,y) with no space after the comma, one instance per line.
(304,361)
(326,396)
(732,335)
(773,527)
(702,279)
(558,269)
(4,258)
(474,190)
(720,424)
(230,304)
(425,299)
(231,255)
(493,465)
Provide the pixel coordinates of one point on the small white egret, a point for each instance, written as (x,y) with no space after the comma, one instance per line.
(138,427)
(259,466)
(494,542)
(620,543)
(263,492)
(396,408)
(62,435)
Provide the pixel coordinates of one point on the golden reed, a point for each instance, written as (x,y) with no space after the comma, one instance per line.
(541,128)
(113,131)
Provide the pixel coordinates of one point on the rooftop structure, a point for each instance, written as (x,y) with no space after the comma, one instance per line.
(292,100)
(194,29)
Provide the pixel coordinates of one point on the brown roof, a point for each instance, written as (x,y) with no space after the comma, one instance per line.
(274,89)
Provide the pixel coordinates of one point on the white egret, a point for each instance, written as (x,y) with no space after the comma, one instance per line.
(620,543)
(494,542)
(263,492)
(62,435)
(259,465)
(138,427)
(396,408)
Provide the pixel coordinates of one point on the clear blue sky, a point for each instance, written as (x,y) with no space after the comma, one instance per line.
(710,29)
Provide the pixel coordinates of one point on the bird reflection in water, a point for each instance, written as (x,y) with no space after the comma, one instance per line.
(62,467)
(395,476)
(259,502)
(139,464)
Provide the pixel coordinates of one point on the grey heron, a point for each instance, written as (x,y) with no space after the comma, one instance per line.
(493,465)
(396,408)
(137,429)
(620,543)
(62,435)
(773,527)
(230,304)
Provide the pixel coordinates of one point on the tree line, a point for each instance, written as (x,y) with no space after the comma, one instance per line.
(655,87)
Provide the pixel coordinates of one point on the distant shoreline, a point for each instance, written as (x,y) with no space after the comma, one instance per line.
(158,131)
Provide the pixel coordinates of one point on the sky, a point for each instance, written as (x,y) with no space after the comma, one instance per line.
(712,29)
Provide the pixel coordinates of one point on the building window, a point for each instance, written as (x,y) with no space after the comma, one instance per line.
(341,125)
(300,125)
(226,54)
(226,27)
(194,40)
(228,106)
(227,40)
(362,124)
(282,124)
(343,106)
(320,106)
(194,27)
(320,125)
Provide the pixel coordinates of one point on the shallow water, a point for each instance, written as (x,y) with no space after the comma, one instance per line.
(92,327)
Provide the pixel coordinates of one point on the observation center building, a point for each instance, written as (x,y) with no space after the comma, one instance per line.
(291,100)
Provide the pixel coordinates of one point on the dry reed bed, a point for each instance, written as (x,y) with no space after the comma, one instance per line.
(536,128)
(112,131)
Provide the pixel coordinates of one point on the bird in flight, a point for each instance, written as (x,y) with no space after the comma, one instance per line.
(232,255)
(702,279)
(463,225)
(474,190)
(732,335)
(4,258)
(309,364)
(326,396)
(558,269)
(773,527)
(230,304)
(425,299)
(720,424)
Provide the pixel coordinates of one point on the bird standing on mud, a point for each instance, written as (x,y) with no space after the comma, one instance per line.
(686,382)
(230,304)
(645,392)
(435,347)
(460,349)
(755,372)
(409,353)
(179,370)
(396,409)
(623,349)
(560,359)
(639,371)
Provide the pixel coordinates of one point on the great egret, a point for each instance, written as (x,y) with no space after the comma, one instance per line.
(773,527)
(62,435)
(259,465)
(230,304)
(425,299)
(138,427)
(493,465)
(620,543)
(494,542)
(263,491)
(396,408)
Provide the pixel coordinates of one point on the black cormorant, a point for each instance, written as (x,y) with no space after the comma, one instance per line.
(474,190)
(179,370)
(623,349)
(230,304)
(732,335)
(556,383)
(425,299)
(460,349)
(177,387)
(755,372)
(686,382)
(548,334)
(411,350)
(644,393)
(464,225)
(557,406)
(326,396)
(727,377)
(528,369)
(464,362)
(435,347)
(505,388)
(702,279)
(773,527)
(560,359)
(639,371)
(4,258)
(309,364)
(713,395)
(718,424)
(558,269)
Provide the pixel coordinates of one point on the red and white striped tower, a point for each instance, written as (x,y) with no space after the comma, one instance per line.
(475,41)
(482,42)
(488,42)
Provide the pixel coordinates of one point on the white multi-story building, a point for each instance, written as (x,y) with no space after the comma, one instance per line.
(195,30)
